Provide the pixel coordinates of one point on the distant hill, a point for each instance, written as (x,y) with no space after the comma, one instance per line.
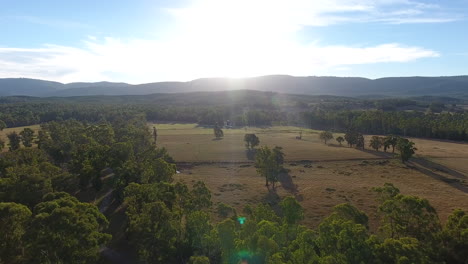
(455,86)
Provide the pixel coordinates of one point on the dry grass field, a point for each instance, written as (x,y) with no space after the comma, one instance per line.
(189,143)
(322,175)
(324,185)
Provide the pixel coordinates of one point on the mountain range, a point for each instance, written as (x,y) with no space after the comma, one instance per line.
(451,86)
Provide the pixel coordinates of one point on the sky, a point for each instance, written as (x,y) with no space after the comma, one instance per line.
(143,41)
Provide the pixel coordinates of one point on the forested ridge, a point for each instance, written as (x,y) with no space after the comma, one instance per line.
(454,86)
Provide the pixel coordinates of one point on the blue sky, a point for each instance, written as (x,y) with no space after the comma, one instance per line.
(146,41)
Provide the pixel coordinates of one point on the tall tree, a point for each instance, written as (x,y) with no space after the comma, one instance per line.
(154,232)
(343,241)
(27,136)
(155,135)
(251,141)
(340,139)
(227,235)
(406,149)
(269,164)
(14,141)
(407,216)
(376,142)
(360,143)
(292,210)
(25,184)
(14,219)
(455,237)
(64,230)
(390,140)
(198,226)
(2,125)
(351,137)
(218,132)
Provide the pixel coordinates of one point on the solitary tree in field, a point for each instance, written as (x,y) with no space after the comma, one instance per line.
(251,141)
(15,141)
(376,142)
(406,149)
(269,164)
(325,136)
(27,136)
(218,132)
(340,139)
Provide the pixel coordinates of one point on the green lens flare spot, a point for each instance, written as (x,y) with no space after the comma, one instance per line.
(241,220)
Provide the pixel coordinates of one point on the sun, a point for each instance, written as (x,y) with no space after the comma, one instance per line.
(232,38)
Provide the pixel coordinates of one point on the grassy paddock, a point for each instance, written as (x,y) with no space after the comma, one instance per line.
(336,174)
(191,143)
(324,185)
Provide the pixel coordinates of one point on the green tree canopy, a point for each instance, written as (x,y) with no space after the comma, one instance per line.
(406,149)
(455,237)
(269,164)
(218,132)
(27,136)
(64,230)
(14,219)
(340,140)
(14,141)
(326,136)
(251,141)
(2,125)
(376,142)
(292,210)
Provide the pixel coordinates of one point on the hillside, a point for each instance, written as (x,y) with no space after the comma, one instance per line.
(455,86)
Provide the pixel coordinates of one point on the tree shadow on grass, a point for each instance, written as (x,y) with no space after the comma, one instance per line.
(273,200)
(287,182)
(380,154)
(438,167)
(250,154)
(425,166)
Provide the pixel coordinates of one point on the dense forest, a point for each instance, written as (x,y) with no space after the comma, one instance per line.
(429,117)
(43,221)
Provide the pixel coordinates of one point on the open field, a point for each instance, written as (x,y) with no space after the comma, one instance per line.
(189,143)
(322,175)
(324,185)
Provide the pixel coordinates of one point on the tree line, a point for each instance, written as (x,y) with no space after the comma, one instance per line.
(368,117)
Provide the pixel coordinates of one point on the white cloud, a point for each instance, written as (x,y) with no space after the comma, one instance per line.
(145,61)
(228,38)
